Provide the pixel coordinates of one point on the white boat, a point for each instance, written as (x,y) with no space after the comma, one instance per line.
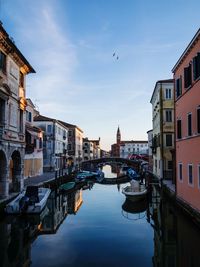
(30,201)
(135,191)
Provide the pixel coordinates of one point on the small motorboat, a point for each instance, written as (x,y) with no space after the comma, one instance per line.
(30,201)
(135,191)
(132,174)
(67,186)
(83,175)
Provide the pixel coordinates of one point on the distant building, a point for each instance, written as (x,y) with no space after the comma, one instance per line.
(96,148)
(13,69)
(129,148)
(75,142)
(125,149)
(187,115)
(54,144)
(33,160)
(88,149)
(115,148)
(162,101)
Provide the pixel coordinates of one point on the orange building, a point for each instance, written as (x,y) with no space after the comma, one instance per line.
(187,118)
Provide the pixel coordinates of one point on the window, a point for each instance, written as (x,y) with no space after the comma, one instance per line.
(198,171)
(21,121)
(180,171)
(198,120)
(189,124)
(190,174)
(40,143)
(187,76)
(179,129)
(49,145)
(49,128)
(196,67)
(2,111)
(168,93)
(169,165)
(168,115)
(168,140)
(3,62)
(178,87)
(70,133)
(69,147)
(30,117)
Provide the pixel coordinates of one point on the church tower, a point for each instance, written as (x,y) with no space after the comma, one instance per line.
(118,136)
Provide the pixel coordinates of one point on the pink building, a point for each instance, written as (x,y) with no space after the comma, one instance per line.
(187,119)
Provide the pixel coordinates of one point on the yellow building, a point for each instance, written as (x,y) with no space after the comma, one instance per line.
(162,101)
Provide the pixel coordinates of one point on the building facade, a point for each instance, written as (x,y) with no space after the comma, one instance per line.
(55,143)
(150,139)
(162,101)
(187,117)
(88,149)
(13,70)
(33,160)
(130,148)
(75,143)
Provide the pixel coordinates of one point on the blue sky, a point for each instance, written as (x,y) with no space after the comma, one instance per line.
(70,44)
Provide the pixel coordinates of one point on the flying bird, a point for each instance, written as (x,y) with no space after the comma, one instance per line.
(113,54)
(117,57)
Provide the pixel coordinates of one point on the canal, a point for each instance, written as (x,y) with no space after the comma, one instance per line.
(99,227)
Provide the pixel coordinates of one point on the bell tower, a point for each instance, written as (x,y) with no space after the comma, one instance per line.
(118,136)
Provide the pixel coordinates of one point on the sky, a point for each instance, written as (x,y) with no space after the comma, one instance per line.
(70,44)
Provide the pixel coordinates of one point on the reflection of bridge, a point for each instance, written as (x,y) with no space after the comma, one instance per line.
(131,163)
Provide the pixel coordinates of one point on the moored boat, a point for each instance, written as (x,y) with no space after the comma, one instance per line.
(30,201)
(67,186)
(135,191)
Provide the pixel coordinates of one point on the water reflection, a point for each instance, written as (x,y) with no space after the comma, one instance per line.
(174,241)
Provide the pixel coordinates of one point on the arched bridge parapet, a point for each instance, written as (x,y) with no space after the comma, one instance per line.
(132,163)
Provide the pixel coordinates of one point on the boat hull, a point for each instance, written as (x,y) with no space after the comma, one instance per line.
(134,195)
(14,206)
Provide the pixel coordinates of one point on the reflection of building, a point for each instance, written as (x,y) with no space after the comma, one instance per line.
(162,101)
(15,242)
(74,201)
(13,69)
(33,161)
(57,205)
(187,115)
(55,142)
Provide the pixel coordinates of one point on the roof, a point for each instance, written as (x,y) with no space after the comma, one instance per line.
(70,125)
(161,81)
(30,102)
(44,118)
(10,42)
(187,50)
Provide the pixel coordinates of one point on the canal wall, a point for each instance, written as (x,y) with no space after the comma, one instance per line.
(169,189)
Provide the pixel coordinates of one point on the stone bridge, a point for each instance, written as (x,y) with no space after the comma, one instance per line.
(132,163)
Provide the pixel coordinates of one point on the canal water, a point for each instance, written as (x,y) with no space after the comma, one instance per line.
(99,227)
